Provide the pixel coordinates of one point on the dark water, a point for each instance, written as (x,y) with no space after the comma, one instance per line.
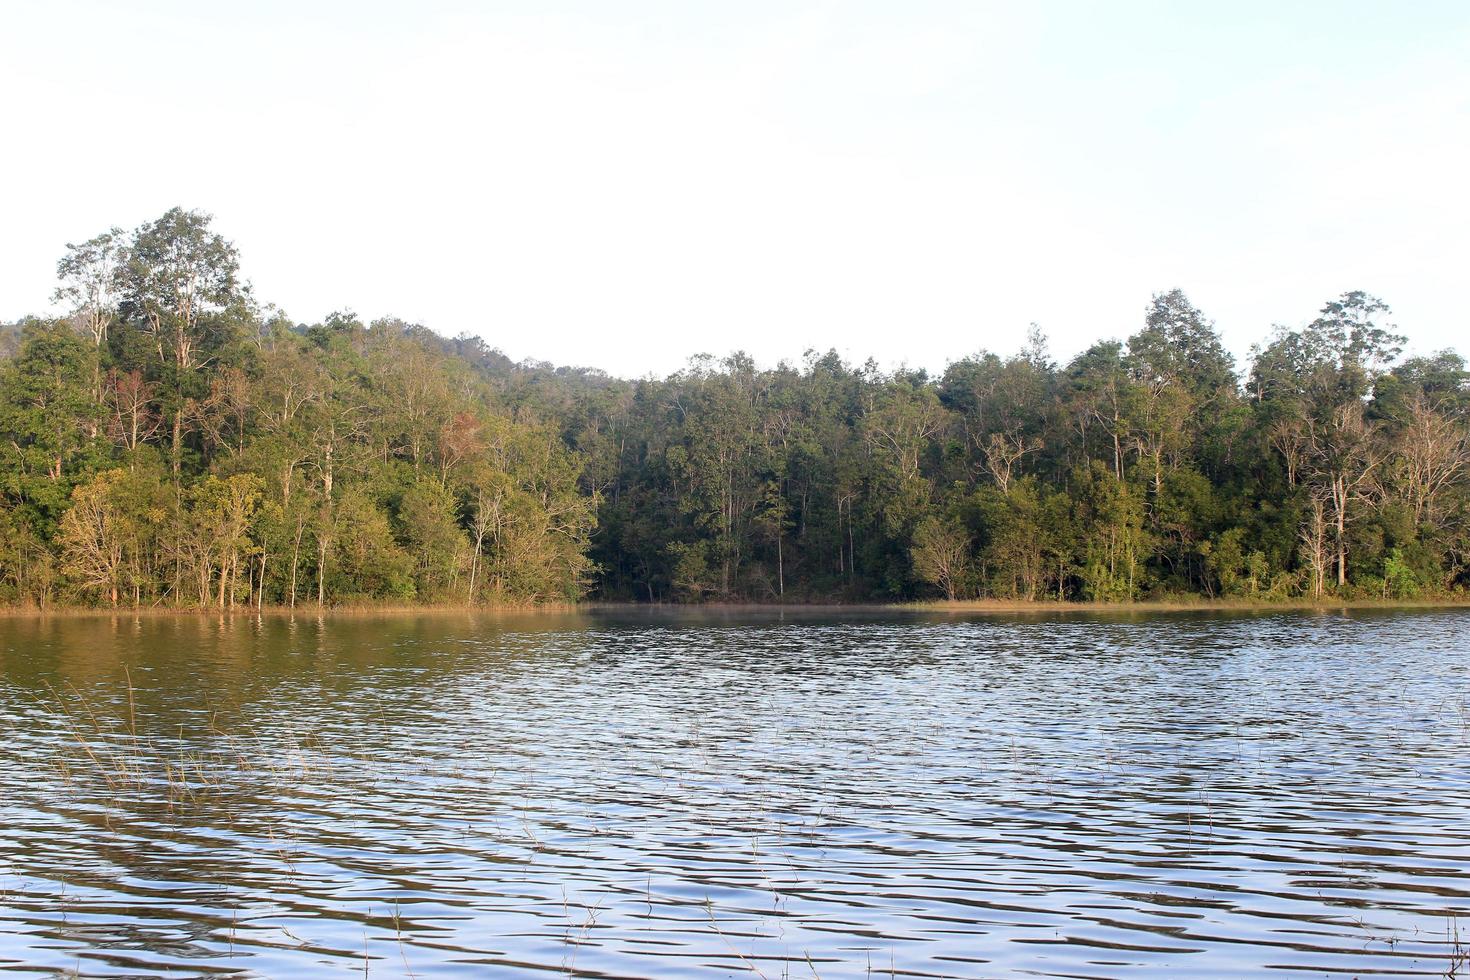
(635,796)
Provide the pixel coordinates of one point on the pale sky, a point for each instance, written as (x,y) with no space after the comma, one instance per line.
(624,184)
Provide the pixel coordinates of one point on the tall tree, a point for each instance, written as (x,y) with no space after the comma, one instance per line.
(181,284)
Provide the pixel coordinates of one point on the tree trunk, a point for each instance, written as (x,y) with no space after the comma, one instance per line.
(321,571)
(175,449)
(475,564)
(780,569)
(296,561)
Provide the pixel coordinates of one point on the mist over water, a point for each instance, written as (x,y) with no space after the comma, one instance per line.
(634,794)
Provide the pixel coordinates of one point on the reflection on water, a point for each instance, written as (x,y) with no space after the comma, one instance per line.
(637,795)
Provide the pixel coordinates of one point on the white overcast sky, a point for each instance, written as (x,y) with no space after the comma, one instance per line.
(624,184)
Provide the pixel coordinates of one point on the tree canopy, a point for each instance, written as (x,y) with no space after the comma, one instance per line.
(171,442)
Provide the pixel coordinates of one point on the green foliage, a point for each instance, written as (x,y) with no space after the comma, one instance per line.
(48,416)
(167,444)
(1399,579)
(27,563)
(365,561)
(429,532)
(1235,568)
(691,575)
(1116,545)
(1029,540)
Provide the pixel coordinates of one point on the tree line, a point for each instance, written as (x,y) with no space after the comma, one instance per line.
(172,441)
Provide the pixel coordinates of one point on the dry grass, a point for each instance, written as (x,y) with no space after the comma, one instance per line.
(116,763)
(1185,605)
(303,610)
(369,609)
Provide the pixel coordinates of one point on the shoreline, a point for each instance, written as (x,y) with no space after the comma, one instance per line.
(939,606)
(1185,605)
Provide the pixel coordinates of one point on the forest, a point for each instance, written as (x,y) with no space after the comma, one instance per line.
(175,442)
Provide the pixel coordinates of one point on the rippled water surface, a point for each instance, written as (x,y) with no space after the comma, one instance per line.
(656,795)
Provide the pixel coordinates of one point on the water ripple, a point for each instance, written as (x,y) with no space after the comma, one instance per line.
(626,795)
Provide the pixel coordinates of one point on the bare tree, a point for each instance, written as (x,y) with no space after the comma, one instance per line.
(92,538)
(89,282)
(899,426)
(1432,453)
(1312,539)
(130,402)
(1289,438)
(941,555)
(1003,454)
(1344,458)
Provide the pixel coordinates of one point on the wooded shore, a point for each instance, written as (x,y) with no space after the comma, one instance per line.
(754,609)
(170,441)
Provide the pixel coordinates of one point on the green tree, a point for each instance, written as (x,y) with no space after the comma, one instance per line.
(181,286)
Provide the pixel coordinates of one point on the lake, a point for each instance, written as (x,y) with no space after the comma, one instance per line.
(635,794)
